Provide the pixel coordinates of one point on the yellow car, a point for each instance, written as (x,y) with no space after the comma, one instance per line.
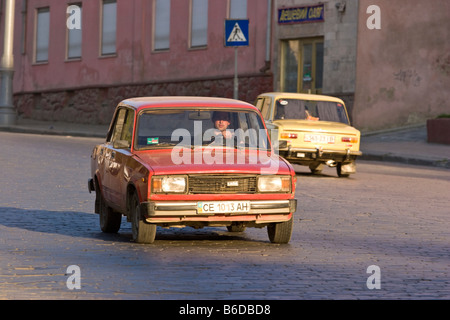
(311,130)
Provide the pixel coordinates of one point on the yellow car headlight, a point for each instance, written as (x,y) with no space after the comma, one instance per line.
(274,184)
(169,184)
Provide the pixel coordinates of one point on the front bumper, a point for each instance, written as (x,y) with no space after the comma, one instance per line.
(260,210)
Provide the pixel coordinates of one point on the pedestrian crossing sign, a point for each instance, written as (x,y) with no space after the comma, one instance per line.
(236,33)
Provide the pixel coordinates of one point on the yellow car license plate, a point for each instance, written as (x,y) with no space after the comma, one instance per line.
(318,138)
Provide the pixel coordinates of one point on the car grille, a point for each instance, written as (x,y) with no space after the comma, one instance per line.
(222,184)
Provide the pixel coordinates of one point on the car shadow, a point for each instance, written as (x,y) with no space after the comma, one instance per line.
(315,175)
(86,225)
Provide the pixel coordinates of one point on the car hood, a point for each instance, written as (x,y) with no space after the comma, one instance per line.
(315,126)
(204,160)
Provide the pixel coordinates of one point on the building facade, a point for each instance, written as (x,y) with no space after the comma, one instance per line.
(75,60)
(403,67)
(388,60)
(315,47)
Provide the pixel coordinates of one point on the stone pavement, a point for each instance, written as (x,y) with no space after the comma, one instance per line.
(406,145)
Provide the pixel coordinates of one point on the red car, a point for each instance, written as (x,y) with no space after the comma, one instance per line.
(191,161)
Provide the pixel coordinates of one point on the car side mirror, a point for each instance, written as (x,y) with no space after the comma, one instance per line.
(279,144)
(282,144)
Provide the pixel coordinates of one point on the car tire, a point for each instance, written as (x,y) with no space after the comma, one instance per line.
(109,219)
(339,171)
(142,232)
(316,168)
(280,232)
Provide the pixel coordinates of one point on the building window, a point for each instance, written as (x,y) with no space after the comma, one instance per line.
(302,65)
(109,19)
(42,34)
(74,31)
(238,9)
(199,23)
(161,27)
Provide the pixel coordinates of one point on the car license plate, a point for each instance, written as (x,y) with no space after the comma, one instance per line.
(318,138)
(204,207)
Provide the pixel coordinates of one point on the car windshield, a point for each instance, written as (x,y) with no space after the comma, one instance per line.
(162,128)
(310,110)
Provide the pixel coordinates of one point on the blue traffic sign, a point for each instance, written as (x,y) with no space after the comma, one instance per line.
(236,33)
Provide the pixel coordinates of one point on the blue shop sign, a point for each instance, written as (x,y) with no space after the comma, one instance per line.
(301,14)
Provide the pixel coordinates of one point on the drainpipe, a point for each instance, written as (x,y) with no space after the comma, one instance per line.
(268,37)
(24,27)
(7,113)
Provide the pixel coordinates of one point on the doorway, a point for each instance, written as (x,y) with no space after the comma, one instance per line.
(302,65)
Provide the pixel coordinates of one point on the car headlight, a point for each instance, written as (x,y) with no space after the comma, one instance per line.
(274,184)
(168,184)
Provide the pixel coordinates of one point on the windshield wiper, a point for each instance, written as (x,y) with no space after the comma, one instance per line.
(157,145)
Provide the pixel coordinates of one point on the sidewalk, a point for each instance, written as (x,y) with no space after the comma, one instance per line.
(57,128)
(403,145)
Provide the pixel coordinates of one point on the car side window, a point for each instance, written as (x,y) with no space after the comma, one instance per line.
(259,103)
(123,128)
(263,104)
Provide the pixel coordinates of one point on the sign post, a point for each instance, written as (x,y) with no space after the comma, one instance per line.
(236,35)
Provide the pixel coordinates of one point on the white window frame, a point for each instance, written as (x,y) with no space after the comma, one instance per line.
(237,9)
(42,35)
(198,24)
(108,49)
(161,25)
(74,34)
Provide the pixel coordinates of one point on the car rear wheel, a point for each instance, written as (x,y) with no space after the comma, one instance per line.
(109,219)
(280,232)
(341,173)
(142,232)
(316,168)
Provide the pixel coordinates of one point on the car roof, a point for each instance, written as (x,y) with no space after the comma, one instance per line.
(301,96)
(139,103)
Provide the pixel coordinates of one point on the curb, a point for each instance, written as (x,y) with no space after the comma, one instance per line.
(392,130)
(14,129)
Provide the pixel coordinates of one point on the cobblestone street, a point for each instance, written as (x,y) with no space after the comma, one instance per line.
(391,216)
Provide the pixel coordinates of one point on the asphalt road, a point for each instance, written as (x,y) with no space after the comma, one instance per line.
(394,217)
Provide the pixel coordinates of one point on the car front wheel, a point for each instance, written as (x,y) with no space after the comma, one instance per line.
(142,232)
(280,232)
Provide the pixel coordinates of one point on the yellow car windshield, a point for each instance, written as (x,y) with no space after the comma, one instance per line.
(310,110)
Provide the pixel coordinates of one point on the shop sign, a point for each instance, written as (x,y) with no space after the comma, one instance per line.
(301,14)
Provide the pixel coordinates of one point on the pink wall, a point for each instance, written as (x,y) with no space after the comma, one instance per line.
(403,69)
(87,90)
(135,62)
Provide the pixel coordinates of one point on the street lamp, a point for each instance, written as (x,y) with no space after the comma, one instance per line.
(8,115)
